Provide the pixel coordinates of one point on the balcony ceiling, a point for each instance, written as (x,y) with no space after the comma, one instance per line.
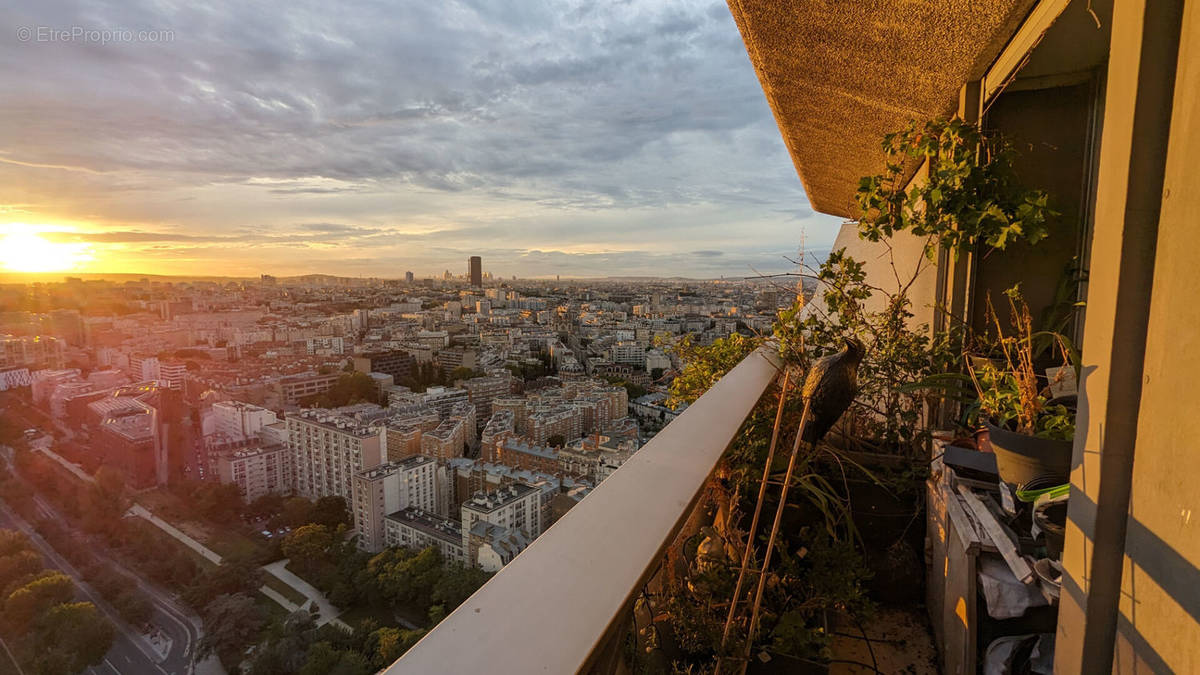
(840,74)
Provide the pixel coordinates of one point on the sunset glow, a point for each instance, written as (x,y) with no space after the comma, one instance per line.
(22,249)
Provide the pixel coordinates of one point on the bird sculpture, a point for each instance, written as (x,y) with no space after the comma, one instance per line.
(829,389)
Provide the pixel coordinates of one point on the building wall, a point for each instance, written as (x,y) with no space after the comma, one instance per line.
(325,460)
(445,442)
(908,252)
(1158,626)
(239,420)
(402,534)
(257,472)
(1131,558)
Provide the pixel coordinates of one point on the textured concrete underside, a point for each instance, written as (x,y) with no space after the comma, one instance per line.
(839,74)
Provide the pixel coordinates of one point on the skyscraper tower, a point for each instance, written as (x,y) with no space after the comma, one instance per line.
(475,271)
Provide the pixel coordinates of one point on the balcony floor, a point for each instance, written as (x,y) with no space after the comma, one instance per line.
(900,638)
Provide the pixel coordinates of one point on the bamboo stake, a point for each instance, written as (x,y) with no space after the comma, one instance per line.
(762,492)
(762,576)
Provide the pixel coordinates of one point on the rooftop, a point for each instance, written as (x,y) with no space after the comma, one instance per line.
(332,420)
(486,502)
(430,523)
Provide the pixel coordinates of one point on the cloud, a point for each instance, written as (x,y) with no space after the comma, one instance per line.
(469,124)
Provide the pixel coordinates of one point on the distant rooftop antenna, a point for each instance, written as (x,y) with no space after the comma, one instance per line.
(800,261)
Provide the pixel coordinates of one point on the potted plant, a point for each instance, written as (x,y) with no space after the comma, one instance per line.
(1029,430)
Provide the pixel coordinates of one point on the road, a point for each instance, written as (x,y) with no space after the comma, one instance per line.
(131,652)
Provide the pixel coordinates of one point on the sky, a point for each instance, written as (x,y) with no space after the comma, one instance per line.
(374,138)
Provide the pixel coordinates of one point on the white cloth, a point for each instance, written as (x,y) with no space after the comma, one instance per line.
(1007,597)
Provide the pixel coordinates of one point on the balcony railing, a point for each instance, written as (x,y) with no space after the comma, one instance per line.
(559,606)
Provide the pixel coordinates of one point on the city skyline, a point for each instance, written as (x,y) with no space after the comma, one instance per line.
(577,140)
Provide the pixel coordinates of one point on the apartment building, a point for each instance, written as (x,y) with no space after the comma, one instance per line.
(325,345)
(546,421)
(257,468)
(172,374)
(418,529)
(627,353)
(329,447)
(293,388)
(465,412)
(499,429)
(128,442)
(483,390)
(520,454)
(235,419)
(514,405)
(445,441)
(144,368)
(456,357)
(468,477)
(397,363)
(595,457)
(442,399)
(388,488)
(514,512)
(35,352)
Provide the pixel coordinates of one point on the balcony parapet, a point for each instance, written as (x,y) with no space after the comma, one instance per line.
(555,607)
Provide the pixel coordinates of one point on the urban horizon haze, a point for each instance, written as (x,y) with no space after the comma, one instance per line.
(575,139)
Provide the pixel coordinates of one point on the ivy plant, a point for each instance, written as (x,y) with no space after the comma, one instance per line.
(972,195)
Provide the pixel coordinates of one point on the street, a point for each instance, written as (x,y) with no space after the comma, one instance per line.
(131,653)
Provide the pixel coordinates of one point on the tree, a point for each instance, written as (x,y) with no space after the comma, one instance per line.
(322,659)
(408,578)
(12,541)
(104,501)
(284,652)
(463,373)
(351,387)
(217,502)
(387,644)
(556,441)
(35,598)
(295,511)
(308,546)
(634,390)
(330,511)
(17,565)
(457,583)
(133,607)
(72,634)
(234,575)
(231,622)
(435,614)
(110,486)
(266,506)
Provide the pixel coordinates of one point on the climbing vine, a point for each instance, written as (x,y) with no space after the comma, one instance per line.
(972,195)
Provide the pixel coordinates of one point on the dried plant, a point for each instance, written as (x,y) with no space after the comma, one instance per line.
(1009,390)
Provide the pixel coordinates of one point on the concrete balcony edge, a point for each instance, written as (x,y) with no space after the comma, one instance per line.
(549,609)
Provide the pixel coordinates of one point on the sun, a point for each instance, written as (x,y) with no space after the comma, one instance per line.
(23,250)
